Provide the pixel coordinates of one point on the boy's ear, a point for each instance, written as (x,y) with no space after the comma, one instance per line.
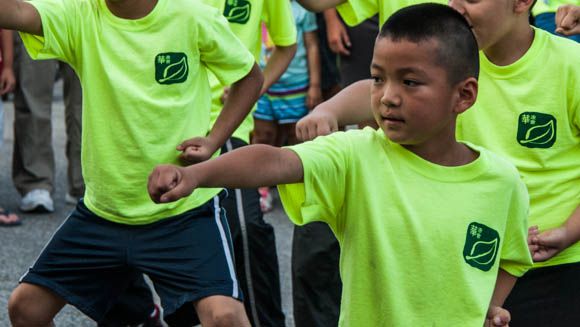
(466,94)
(523,6)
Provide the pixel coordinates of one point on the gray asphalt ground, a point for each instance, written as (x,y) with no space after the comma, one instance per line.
(19,246)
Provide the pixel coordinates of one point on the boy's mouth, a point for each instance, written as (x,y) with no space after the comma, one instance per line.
(393,119)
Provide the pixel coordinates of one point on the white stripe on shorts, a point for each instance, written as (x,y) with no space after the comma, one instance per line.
(227,252)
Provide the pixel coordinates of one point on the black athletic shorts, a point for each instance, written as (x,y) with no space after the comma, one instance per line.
(89,261)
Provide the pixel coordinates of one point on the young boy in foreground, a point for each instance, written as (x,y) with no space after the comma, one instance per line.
(537,131)
(387,194)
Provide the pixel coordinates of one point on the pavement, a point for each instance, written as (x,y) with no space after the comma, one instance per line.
(19,246)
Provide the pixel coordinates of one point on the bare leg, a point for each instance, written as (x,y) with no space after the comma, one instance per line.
(265,132)
(221,311)
(32,305)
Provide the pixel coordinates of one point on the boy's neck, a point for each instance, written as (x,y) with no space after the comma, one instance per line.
(512,46)
(131,9)
(449,154)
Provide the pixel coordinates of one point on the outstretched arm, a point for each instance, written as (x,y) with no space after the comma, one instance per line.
(352,105)
(319,5)
(20,16)
(568,20)
(247,167)
(496,315)
(242,96)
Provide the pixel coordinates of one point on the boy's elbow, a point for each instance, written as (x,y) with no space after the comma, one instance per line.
(256,77)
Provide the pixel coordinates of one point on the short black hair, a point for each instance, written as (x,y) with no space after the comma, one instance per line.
(458,52)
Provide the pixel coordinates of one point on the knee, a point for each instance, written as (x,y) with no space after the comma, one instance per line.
(227,317)
(22,311)
(17,309)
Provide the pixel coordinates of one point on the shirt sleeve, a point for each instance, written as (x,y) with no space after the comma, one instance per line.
(59,24)
(220,50)
(515,254)
(320,197)
(280,22)
(354,12)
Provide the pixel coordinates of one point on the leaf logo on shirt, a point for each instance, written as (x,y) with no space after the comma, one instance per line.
(481,246)
(536,130)
(238,11)
(171,68)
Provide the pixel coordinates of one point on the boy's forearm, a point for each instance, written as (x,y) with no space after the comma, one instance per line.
(277,64)
(21,16)
(313,58)
(319,5)
(503,286)
(7,48)
(352,105)
(242,97)
(250,167)
(572,225)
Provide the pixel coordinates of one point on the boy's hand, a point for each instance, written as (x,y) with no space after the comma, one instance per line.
(549,243)
(196,150)
(315,124)
(568,20)
(338,40)
(497,317)
(7,81)
(169,183)
(313,97)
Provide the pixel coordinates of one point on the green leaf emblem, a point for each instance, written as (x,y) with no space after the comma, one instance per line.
(238,11)
(171,68)
(537,130)
(482,245)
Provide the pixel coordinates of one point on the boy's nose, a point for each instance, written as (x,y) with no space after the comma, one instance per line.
(390,97)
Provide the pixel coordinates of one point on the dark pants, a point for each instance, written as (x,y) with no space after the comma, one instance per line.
(316,285)
(546,297)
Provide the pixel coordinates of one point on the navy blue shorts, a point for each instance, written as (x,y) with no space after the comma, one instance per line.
(89,261)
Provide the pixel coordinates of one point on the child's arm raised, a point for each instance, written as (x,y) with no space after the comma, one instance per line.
(320,5)
(248,167)
(242,96)
(20,16)
(568,20)
(352,105)
(496,315)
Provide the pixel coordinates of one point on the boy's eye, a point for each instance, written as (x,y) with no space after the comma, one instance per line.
(377,79)
(410,82)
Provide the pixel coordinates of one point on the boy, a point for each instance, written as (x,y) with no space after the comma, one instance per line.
(143,66)
(402,245)
(253,239)
(538,132)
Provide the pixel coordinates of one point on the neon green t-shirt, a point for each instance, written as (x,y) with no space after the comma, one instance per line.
(354,12)
(145,90)
(421,244)
(529,112)
(543,6)
(245,18)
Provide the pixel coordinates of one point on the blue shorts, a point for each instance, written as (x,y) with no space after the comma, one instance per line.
(89,261)
(284,103)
